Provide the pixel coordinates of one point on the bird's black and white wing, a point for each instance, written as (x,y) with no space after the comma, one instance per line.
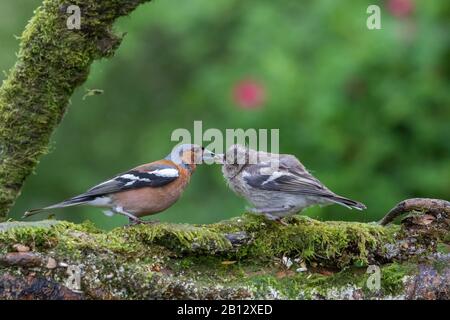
(292,177)
(154,175)
(289,175)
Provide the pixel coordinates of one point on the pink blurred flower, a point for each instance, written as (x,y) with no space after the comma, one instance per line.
(400,8)
(249,94)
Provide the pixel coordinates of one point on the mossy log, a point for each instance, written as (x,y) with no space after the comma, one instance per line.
(246,257)
(52,61)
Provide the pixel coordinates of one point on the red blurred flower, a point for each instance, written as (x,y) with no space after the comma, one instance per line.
(400,8)
(249,94)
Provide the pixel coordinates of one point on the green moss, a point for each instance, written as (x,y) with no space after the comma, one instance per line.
(36,238)
(393,276)
(198,261)
(180,238)
(328,243)
(331,243)
(311,240)
(443,248)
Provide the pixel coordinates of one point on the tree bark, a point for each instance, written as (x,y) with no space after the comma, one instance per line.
(52,62)
(247,257)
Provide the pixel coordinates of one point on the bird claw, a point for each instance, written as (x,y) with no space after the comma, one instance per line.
(139,221)
(282,222)
(276,219)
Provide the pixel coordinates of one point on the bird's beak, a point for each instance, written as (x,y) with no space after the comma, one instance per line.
(208,157)
(219,158)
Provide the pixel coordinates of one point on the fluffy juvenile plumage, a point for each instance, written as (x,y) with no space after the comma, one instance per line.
(277,185)
(144,190)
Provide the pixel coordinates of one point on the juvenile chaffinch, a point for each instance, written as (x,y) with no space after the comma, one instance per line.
(277,185)
(144,190)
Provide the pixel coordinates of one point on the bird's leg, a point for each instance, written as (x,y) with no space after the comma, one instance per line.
(132,218)
(134,222)
(268,212)
(276,219)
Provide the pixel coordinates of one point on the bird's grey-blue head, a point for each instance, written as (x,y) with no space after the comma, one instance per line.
(190,154)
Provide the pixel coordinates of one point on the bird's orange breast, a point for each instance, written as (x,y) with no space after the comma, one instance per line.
(148,200)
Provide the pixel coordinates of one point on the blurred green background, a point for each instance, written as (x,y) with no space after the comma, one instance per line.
(367,111)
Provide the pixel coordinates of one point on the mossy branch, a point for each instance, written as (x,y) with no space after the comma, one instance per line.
(245,257)
(52,62)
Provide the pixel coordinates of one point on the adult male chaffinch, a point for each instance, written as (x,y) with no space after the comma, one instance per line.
(144,190)
(278,185)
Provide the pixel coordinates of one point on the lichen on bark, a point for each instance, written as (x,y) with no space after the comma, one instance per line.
(52,61)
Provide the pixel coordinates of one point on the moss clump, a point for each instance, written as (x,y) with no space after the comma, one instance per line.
(343,243)
(182,238)
(393,277)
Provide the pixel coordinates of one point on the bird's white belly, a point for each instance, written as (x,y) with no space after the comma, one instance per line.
(101,202)
(293,203)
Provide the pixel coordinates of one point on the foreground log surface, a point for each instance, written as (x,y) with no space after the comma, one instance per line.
(246,257)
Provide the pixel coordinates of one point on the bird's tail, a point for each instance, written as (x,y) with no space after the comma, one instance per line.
(347,202)
(67,203)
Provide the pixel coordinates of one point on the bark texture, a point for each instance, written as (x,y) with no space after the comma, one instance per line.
(52,62)
(246,257)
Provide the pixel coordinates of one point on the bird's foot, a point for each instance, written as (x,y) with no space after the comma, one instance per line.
(137,221)
(149,222)
(269,213)
(282,222)
(133,220)
(276,219)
